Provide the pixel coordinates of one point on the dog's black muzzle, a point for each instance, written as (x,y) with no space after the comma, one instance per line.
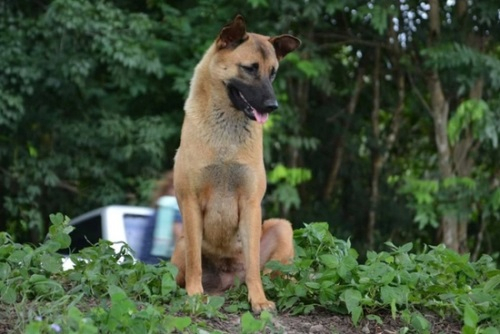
(256,101)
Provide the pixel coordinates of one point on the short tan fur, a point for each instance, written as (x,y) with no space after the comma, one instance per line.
(219,171)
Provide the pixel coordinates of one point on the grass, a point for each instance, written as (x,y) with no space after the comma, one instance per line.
(109,292)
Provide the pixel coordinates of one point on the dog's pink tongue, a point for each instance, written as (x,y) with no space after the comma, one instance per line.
(261,118)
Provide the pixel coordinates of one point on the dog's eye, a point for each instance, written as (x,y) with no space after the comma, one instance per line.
(273,73)
(251,69)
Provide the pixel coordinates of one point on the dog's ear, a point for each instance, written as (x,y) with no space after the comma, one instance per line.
(284,44)
(232,34)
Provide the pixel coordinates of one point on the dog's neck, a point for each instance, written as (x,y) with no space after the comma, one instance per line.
(230,125)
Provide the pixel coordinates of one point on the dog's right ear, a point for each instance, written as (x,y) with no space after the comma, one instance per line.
(232,34)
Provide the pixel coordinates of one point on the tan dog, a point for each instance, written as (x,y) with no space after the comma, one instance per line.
(219,169)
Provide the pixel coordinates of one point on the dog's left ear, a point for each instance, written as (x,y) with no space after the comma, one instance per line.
(284,44)
(232,34)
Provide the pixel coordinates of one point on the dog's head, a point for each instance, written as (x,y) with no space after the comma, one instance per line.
(247,64)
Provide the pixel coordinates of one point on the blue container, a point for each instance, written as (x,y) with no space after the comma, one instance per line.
(163,237)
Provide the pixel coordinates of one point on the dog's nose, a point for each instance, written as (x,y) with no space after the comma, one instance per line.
(271,105)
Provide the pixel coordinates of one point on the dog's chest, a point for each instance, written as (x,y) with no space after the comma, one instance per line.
(225,178)
(223,185)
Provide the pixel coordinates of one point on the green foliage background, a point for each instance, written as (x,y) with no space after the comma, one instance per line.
(91,97)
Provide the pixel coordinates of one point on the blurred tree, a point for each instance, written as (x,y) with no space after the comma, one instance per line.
(460,67)
(83,114)
(387,128)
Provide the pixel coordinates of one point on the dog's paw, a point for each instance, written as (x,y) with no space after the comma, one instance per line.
(264,305)
(193,290)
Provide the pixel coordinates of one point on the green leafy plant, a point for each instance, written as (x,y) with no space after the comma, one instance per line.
(286,181)
(476,116)
(250,325)
(108,291)
(327,275)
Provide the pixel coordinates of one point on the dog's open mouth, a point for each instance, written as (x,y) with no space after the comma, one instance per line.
(241,103)
(259,117)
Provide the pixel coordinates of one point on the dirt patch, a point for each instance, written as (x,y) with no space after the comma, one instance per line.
(7,315)
(320,322)
(328,323)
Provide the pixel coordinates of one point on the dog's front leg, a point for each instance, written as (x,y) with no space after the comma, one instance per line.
(193,233)
(250,232)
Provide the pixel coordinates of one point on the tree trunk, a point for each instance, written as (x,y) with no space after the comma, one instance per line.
(439,112)
(380,154)
(298,91)
(456,160)
(376,154)
(338,149)
(299,99)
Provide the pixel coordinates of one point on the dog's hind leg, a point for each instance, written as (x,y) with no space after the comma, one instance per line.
(276,242)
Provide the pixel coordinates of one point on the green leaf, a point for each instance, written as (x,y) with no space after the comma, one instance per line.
(46,287)
(63,239)
(300,290)
(178,323)
(266,316)
(8,294)
(356,314)
(470,113)
(468,330)
(232,308)
(388,294)
(308,309)
(313,285)
(420,324)
(51,263)
(5,271)
(379,19)
(57,219)
(376,318)
(490,330)
(216,301)
(489,286)
(249,324)
(121,308)
(34,328)
(351,298)
(406,248)
(329,260)
(168,284)
(470,317)
(258,3)
(333,6)
(17,256)
(346,266)
(309,68)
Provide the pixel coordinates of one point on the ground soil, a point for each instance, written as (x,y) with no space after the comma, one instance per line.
(328,323)
(316,323)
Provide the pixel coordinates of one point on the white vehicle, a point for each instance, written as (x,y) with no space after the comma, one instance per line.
(148,232)
(116,223)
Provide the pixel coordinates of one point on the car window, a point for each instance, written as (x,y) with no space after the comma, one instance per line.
(136,227)
(85,234)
